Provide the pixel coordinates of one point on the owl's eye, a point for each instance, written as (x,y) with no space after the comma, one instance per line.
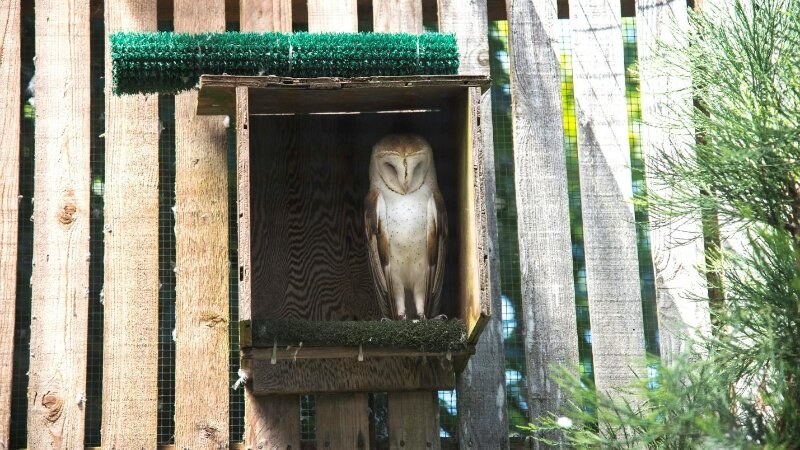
(388,166)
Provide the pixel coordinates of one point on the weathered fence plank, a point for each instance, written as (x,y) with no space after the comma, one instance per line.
(265,15)
(482,424)
(414,420)
(540,169)
(59,309)
(413,416)
(397,16)
(130,335)
(202,263)
(332,427)
(332,16)
(676,245)
(9,199)
(615,305)
(270,421)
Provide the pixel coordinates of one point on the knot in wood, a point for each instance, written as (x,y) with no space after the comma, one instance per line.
(54,405)
(211,319)
(66,214)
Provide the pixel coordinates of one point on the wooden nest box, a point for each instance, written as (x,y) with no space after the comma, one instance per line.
(303,155)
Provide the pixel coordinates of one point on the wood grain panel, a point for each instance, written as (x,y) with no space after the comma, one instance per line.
(273,421)
(60,279)
(387,373)
(676,245)
(414,420)
(397,16)
(484,375)
(545,246)
(202,266)
(130,362)
(9,199)
(343,421)
(615,305)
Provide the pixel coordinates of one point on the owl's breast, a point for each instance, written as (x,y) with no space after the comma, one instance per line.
(406,218)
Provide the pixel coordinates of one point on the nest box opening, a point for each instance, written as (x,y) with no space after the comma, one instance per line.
(304,149)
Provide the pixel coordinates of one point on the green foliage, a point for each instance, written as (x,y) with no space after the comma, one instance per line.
(422,335)
(168,62)
(738,387)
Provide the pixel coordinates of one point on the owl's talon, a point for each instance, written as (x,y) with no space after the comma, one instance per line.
(440,317)
(402,316)
(422,316)
(385,319)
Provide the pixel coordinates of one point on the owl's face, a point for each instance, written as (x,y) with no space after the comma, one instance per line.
(403,161)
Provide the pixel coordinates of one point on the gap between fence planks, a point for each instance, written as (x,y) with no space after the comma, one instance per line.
(677,244)
(60,280)
(9,199)
(484,376)
(540,171)
(130,335)
(202,262)
(615,305)
(342,419)
(270,421)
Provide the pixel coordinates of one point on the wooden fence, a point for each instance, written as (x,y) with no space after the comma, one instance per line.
(60,299)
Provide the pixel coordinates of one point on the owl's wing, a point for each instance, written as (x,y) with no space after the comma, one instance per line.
(437,243)
(378,249)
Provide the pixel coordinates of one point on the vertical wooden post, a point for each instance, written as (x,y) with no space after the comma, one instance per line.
(482,423)
(130,356)
(59,309)
(677,246)
(540,170)
(413,416)
(342,419)
(202,263)
(615,304)
(9,200)
(272,421)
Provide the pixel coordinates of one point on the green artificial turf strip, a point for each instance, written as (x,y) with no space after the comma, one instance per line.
(423,335)
(168,63)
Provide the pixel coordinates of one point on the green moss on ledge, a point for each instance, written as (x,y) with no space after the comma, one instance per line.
(423,335)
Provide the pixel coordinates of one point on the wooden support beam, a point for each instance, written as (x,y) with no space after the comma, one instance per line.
(615,305)
(202,266)
(484,376)
(9,200)
(273,421)
(540,172)
(130,356)
(676,244)
(60,280)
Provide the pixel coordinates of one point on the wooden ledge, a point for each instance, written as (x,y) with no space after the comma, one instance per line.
(285,95)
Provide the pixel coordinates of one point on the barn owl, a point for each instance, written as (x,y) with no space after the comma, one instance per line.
(406,227)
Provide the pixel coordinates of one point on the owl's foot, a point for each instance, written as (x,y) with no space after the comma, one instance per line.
(421,316)
(440,317)
(385,319)
(402,317)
